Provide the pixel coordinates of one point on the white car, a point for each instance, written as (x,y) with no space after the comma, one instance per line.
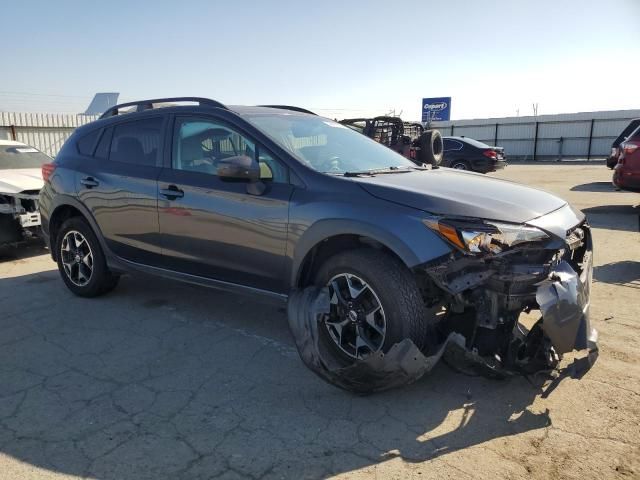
(20,183)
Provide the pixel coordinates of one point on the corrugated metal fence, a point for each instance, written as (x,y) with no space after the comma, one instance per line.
(45,131)
(586,135)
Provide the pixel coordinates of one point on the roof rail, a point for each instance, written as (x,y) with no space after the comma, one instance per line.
(143,105)
(289,107)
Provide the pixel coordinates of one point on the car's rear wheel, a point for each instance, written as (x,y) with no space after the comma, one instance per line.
(374,304)
(460,165)
(81,261)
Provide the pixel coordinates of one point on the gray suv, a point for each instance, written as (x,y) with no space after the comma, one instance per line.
(270,200)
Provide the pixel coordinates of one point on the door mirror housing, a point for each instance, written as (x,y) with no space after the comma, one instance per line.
(240,167)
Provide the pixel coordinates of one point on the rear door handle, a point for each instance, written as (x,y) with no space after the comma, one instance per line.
(89,182)
(171,192)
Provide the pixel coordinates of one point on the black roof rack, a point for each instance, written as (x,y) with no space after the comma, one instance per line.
(289,107)
(143,105)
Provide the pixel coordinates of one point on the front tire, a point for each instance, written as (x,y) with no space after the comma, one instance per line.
(81,261)
(375,303)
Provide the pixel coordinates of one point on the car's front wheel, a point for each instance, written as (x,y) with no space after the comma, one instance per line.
(374,304)
(81,261)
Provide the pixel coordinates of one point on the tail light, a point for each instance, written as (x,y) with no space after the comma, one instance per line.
(490,154)
(629,148)
(47,170)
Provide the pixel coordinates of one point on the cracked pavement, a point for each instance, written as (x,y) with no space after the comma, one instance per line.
(166,380)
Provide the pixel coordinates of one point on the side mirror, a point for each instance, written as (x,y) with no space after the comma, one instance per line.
(240,167)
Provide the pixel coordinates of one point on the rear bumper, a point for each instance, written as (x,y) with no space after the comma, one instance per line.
(484,165)
(499,165)
(626,179)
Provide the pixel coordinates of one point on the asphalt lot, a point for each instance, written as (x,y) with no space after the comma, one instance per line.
(165,380)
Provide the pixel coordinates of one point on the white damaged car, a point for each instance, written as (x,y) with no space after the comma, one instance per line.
(20,184)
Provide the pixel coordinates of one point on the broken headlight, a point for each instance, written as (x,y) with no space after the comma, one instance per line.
(484,236)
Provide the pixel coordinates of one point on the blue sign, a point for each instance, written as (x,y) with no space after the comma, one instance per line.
(436,109)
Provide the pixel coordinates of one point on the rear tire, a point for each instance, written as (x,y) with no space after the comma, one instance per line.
(460,165)
(391,283)
(81,261)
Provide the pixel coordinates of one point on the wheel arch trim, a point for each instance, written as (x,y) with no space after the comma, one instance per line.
(62,201)
(330,228)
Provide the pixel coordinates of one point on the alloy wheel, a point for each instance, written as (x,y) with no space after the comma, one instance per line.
(356,322)
(77,258)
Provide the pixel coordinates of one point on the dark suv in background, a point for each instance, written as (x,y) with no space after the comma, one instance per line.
(267,201)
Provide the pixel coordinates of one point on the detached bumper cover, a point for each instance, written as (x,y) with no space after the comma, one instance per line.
(564,301)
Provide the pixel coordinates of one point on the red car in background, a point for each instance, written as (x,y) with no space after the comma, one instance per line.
(612,159)
(626,174)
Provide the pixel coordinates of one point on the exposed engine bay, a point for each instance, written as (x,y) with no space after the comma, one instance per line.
(19,216)
(476,301)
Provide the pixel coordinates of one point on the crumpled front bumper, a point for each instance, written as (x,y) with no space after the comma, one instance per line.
(564,300)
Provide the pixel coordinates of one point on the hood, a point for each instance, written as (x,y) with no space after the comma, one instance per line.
(451,192)
(21,179)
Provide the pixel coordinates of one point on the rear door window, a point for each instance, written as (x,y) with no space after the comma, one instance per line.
(449,145)
(137,142)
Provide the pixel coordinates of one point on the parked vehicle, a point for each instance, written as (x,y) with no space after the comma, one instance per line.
(20,183)
(626,174)
(616,150)
(274,201)
(463,153)
(409,139)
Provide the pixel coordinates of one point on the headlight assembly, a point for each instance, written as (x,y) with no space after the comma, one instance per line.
(476,236)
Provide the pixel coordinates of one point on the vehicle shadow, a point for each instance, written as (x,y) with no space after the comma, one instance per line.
(614,217)
(625,273)
(164,380)
(594,187)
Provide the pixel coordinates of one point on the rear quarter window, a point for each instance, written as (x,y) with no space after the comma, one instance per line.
(87,143)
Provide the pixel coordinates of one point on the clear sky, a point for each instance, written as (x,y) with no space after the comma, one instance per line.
(341,58)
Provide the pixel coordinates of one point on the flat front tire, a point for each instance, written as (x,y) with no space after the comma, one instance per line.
(81,261)
(375,303)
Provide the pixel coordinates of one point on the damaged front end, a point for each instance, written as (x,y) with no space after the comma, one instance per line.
(19,216)
(476,295)
(497,273)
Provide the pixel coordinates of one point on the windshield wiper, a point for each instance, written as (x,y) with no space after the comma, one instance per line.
(380,171)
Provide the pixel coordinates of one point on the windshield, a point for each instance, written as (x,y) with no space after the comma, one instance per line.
(21,156)
(327,146)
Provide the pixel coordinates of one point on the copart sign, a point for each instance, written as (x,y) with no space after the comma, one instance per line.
(436,109)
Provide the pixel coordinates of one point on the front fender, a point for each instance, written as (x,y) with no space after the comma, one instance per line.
(405,235)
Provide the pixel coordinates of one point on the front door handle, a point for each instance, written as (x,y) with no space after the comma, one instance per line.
(171,192)
(89,182)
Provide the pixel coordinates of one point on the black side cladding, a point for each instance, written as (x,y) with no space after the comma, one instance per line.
(403,364)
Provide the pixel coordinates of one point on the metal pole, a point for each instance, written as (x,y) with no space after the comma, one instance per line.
(495,141)
(535,143)
(590,139)
(14,137)
(452,127)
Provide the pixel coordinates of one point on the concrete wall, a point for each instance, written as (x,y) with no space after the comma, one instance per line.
(575,135)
